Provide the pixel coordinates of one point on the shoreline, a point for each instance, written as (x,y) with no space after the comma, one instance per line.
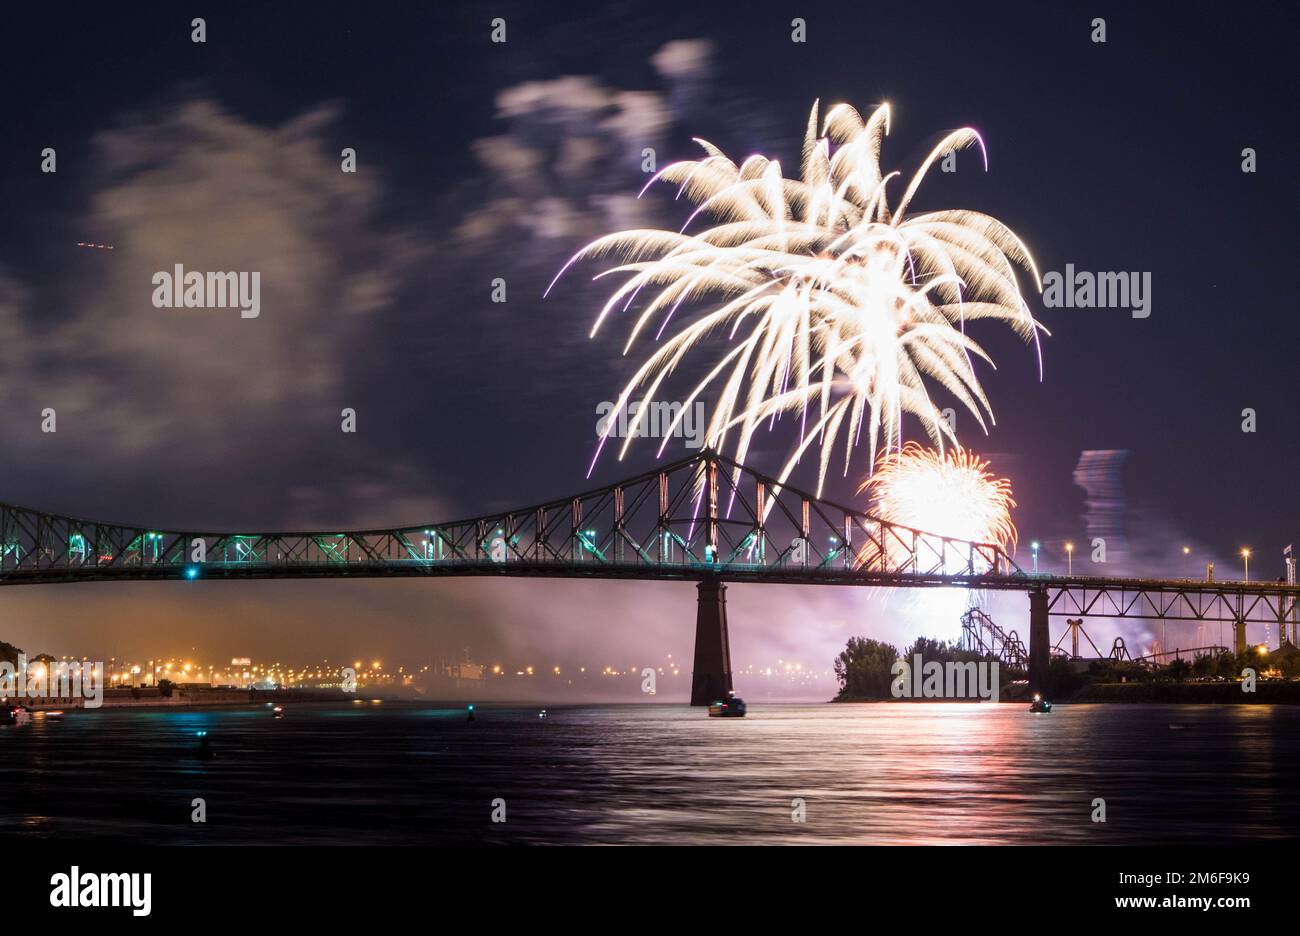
(182,699)
(1171,693)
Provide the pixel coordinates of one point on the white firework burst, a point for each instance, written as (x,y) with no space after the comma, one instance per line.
(834,303)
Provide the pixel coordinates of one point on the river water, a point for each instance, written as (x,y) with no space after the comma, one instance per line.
(888,773)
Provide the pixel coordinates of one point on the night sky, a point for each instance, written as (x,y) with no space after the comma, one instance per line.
(481,160)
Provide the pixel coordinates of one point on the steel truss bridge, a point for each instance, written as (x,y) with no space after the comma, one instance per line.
(704,518)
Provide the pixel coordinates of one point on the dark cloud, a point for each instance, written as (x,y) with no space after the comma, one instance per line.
(199,186)
(569,164)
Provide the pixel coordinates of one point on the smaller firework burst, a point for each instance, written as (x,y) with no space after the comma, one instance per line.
(951,494)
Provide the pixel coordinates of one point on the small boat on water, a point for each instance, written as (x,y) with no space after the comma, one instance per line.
(277,712)
(1040,705)
(15,715)
(730,707)
(55,713)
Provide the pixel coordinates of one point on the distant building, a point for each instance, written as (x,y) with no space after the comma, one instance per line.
(466,670)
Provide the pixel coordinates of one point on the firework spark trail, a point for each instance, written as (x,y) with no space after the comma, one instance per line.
(850,303)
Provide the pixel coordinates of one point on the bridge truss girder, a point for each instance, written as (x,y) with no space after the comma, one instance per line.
(703,515)
(1228,602)
(700,517)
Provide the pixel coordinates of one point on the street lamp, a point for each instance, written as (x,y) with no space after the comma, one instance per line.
(1069,558)
(1034,546)
(1245,555)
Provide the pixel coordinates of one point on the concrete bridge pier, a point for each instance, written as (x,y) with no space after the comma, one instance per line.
(1239,636)
(711,674)
(1040,640)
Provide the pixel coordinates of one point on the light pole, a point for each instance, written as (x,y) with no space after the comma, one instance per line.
(1187,550)
(1245,555)
(1069,558)
(1034,546)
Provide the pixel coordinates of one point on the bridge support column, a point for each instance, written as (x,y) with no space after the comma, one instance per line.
(1239,636)
(711,675)
(1039,639)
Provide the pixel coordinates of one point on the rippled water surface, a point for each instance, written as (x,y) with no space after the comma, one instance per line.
(883,773)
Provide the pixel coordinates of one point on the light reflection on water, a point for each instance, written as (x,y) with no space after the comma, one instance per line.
(883,773)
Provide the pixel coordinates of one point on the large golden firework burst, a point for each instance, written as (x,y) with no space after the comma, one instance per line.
(951,494)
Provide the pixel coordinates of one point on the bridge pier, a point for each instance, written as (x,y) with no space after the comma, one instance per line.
(1239,637)
(711,674)
(1039,639)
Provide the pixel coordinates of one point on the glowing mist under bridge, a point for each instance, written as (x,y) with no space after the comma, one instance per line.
(704,518)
